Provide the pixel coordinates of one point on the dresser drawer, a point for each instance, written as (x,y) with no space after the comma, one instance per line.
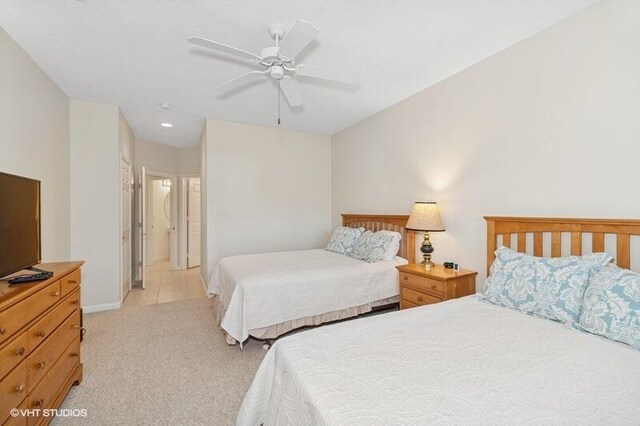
(13,390)
(12,354)
(418,298)
(44,395)
(11,320)
(43,358)
(423,284)
(42,300)
(19,420)
(42,329)
(70,282)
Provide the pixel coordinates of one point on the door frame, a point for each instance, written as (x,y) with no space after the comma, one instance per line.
(124,158)
(184,226)
(173,238)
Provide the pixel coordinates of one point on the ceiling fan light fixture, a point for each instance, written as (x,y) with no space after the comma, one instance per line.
(279,61)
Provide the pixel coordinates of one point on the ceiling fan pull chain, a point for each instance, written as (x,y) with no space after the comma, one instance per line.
(278,95)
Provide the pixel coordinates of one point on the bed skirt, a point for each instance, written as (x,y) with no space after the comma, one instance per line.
(277,330)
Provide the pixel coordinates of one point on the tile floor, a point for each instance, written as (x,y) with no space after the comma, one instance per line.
(164,285)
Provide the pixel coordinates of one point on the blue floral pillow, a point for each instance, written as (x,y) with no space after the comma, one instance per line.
(343,239)
(551,288)
(371,247)
(611,306)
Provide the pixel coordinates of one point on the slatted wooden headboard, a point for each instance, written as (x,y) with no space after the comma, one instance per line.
(514,230)
(378,222)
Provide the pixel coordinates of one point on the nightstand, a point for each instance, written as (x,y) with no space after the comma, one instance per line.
(421,286)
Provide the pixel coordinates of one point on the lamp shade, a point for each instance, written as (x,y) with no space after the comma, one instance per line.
(425,217)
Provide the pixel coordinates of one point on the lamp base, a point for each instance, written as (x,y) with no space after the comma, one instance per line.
(427,248)
(427,262)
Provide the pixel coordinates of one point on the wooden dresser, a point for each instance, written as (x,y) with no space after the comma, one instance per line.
(40,326)
(421,286)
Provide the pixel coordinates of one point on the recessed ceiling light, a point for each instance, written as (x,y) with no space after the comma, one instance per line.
(166,124)
(164,105)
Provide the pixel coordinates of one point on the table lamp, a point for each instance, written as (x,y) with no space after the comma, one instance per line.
(425,217)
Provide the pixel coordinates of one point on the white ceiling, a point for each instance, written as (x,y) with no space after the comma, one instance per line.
(134,53)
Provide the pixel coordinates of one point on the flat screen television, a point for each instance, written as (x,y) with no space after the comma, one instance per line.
(19,223)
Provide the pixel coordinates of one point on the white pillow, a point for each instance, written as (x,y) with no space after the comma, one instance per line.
(394,247)
(370,247)
(344,239)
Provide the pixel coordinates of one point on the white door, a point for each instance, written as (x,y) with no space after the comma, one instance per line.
(142,210)
(193,223)
(126,180)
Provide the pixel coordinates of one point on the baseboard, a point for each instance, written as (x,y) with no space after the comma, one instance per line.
(99,308)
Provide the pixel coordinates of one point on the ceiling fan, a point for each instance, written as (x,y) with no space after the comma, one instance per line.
(278,62)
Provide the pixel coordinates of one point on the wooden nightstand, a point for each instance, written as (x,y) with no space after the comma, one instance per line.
(421,286)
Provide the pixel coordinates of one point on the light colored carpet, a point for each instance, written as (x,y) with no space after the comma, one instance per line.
(161,364)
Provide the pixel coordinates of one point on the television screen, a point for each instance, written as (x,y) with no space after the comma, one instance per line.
(19,223)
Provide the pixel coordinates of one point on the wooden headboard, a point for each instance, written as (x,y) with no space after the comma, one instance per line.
(379,222)
(514,230)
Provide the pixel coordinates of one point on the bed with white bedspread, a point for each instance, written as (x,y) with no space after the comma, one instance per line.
(457,362)
(269,294)
(480,359)
(262,290)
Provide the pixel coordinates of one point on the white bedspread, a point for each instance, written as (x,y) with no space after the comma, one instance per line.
(261,290)
(457,362)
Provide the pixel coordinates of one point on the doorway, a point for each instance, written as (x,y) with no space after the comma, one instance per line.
(163,278)
(191,221)
(126,201)
(158,221)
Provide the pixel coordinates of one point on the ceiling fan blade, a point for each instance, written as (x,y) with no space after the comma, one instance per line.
(240,78)
(290,89)
(327,73)
(299,37)
(210,44)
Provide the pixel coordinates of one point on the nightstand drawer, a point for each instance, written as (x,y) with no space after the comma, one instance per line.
(418,298)
(423,284)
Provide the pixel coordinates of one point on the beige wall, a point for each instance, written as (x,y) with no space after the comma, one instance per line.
(127,138)
(189,160)
(34,140)
(548,127)
(267,189)
(95,201)
(204,218)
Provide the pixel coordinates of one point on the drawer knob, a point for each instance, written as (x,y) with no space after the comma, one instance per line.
(41,365)
(74,302)
(20,389)
(20,351)
(72,282)
(433,286)
(55,293)
(38,402)
(40,334)
(3,330)
(419,298)
(76,326)
(74,355)
(406,278)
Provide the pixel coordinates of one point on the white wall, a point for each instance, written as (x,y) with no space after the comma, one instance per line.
(34,140)
(549,127)
(95,201)
(267,189)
